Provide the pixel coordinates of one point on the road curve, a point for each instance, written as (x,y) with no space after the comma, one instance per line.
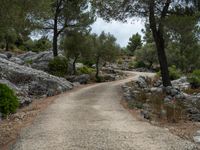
(92,118)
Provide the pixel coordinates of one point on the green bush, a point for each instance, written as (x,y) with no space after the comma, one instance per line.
(174,73)
(8,100)
(140,64)
(194,79)
(58,66)
(85,70)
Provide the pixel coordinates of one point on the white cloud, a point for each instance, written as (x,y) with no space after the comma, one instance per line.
(122,31)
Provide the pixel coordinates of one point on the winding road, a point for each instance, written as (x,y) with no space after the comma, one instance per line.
(91,118)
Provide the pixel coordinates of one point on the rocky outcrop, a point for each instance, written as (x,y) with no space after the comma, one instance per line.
(82,79)
(38,61)
(30,82)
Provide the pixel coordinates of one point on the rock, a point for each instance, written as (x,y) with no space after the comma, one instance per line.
(196,139)
(79,65)
(158,83)
(40,60)
(17,60)
(146,114)
(142,82)
(3,56)
(82,79)
(181,83)
(76,84)
(156,90)
(109,77)
(168,99)
(9,55)
(34,82)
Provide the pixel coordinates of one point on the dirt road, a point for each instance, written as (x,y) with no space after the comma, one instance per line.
(93,119)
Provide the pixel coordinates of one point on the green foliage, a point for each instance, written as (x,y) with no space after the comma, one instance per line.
(174,73)
(39,45)
(135,42)
(85,70)
(58,66)
(194,79)
(8,100)
(139,64)
(146,56)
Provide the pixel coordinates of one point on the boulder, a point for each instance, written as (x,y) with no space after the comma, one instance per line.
(17,60)
(82,79)
(142,82)
(181,83)
(3,56)
(40,60)
(34,82)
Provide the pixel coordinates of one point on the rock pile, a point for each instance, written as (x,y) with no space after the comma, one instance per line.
(174,92)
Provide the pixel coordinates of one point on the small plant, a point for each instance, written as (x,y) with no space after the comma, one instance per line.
(85,70)
(194,79)
(8,100)
(58,66)
(29,62)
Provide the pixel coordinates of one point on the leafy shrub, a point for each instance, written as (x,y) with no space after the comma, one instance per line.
(100,79)
(140,64)
(174,73)
(58,66)
(8,100)
(85,70)
(194,79)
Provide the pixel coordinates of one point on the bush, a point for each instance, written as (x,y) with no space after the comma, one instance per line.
(58,66)
(140,64)
(194,79)
(85,70)
(174,73)
(8,100)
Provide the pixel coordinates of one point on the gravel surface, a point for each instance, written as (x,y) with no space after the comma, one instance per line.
(93,119)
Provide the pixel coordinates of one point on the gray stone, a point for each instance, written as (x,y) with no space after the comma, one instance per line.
(82,79)
(142,82)
(156,90)
(3,56)
(35,82)
(17,60)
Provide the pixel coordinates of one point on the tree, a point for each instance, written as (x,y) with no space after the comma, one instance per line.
(183,47)
(104,48)
(147,54)
(134,43)
(155,10)
(75,46)
(64,15)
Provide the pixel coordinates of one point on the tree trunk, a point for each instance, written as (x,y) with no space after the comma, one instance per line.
(157,31)
(55,36)
(74,65)
(97,68)
(160,45)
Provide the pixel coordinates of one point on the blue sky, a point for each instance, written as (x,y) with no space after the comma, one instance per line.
(122,31)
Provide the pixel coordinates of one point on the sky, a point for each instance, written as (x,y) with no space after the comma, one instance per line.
(122,31)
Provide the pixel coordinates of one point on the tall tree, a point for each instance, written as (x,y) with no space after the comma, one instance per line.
(104,48)
(65,15)
(134,43)
(75,46)
(155,11)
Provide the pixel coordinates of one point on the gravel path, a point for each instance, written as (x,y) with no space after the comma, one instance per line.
(93,119)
